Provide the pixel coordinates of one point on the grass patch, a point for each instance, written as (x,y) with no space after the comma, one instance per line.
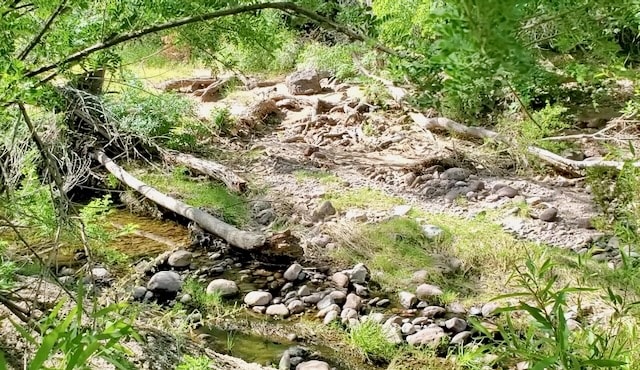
(232,208)
(325,178)
(369,338)
(362,198)
(394,249)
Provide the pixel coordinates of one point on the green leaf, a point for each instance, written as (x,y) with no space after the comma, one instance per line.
(604,363)
(3,362)
(537,314)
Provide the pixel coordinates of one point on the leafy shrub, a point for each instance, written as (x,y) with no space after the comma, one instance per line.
(222,120)
(195,363)
(543,339)
(165,117)
(336,59)
(71,344)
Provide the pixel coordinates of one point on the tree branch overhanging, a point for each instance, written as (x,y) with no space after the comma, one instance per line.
(45,28)
(282,6)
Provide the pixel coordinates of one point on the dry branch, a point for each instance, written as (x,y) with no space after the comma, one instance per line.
(210,168)
(188,84)
(569,165)
(246,240)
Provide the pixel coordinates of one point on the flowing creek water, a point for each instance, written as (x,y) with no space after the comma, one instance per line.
(152,237)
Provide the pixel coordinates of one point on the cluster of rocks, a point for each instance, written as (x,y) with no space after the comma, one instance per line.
(304,291)
(610,250)
(300,358)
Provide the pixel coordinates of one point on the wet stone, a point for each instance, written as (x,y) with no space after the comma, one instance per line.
(433,311)
(325,302)
(277,310)
(461,338)
(257,298)
(383,303)
(293,272)
(304,291)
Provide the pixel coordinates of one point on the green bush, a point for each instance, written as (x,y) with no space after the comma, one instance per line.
(337,59)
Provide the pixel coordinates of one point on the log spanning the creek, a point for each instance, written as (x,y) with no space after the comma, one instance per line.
(246,240)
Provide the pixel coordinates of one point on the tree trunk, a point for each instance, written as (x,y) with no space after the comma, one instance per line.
(246,240)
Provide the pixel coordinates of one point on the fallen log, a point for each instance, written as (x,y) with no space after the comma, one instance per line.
(210,168)
(245,240)
(188,84)
(210,93)
(568,165)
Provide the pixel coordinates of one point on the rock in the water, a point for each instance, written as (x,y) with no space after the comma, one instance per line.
(324,210)
(293,272)
(359,274)
(456,324)
(338,297)
(165,281)
(304,291)
(407,300)
(313,365)
(408,328)
(489,309)
(257,298)
(305,82)
(392,333)
(223,287)
(353,302)
(432,232)
(428,291)
(433,311)
(455,173)
(180,258)
(325,302)
(428,336)
(340,279)
(461,338)
(506,191)
(277,310)
(549,214)
(348,313)
(323,312)
(295,306)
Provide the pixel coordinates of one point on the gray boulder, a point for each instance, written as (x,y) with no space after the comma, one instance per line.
(180,258)
(305,82)
(165,281)
(226,288)
(429,336)
(257,298)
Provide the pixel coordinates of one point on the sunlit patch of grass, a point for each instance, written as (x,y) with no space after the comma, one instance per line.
(233,208)
(369,338)
(325,178)
(363,198)
(393,249)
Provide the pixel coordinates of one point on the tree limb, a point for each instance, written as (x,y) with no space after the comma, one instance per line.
(284,6)
(45,28)
(569,165)
(248,241)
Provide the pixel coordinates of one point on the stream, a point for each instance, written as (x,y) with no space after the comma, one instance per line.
(249,336)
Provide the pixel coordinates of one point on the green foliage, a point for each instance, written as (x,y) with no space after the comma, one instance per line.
(337,59)
(195,363)
(199,298)
(546,122)
(369,338)
(546,340)
(71,344)
(616,193)
(222,120)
